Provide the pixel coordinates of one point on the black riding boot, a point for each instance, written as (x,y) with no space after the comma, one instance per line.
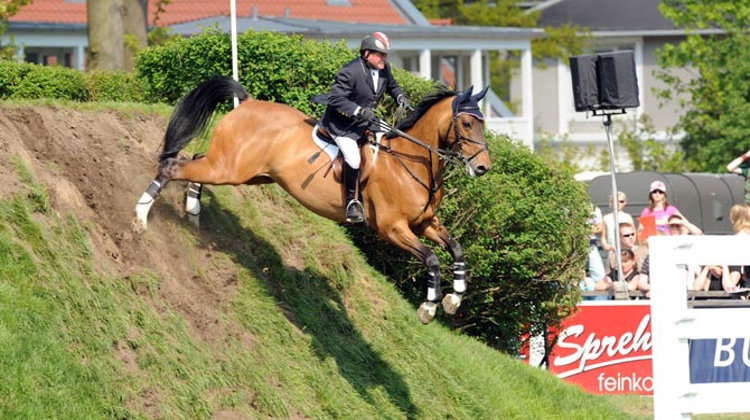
(355,213)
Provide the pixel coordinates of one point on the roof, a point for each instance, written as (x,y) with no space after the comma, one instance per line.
(395,12)
(480,35)
(606,15)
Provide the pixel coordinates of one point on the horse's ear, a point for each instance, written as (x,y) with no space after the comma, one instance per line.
(465,97)
(478,97)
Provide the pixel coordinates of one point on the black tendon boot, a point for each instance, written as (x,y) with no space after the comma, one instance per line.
(355,213)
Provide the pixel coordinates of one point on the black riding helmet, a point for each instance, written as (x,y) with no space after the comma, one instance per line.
(376,41)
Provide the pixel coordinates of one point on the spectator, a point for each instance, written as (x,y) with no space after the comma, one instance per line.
(741,165)
(627,241)
(595,267)
(629,273)
(740,217)
(644,283)
(739,275)
(659,207)
(737,280)
(596,226)
(679,225)
(711,277)
(608,221)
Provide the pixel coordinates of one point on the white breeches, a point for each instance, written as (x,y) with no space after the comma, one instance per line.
(350,150)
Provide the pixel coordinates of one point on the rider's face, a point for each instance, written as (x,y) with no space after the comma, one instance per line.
(377,59)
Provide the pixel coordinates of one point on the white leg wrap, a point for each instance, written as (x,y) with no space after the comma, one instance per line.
(431,294)
(459,286)
(192,202)
(142,209)
(145,203)
(145,199)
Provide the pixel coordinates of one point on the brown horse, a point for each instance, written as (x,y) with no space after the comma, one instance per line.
(402,182)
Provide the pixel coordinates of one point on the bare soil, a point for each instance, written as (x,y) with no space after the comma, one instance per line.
(95,166)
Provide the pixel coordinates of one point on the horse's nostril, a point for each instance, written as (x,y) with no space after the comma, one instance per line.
(480,170)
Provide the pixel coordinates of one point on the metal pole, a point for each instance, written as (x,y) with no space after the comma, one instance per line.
(615,200)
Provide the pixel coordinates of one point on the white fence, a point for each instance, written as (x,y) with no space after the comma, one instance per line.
(673,324)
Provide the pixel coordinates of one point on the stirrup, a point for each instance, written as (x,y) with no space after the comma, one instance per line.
(355,213)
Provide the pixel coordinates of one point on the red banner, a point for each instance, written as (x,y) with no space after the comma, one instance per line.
(606,349)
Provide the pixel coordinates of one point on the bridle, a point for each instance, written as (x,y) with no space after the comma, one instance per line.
(460,138)
(449,155)
(454,153)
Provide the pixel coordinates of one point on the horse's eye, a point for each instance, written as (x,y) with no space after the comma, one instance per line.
(467,124)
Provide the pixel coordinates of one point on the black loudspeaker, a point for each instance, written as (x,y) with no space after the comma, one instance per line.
(604,81)
(585,86)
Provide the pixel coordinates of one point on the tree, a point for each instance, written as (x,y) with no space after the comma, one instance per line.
(9,8)
(117,30)
(716,99)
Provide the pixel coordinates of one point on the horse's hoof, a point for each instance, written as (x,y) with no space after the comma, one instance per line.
(141,216)
(138,227)
(426,312)
(451,302)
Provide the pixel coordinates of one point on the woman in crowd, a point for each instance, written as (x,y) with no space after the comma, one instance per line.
(740,217)
(659,207)
(738,274)
(608,221)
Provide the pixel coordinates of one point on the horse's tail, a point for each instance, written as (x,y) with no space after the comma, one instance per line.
(193,111)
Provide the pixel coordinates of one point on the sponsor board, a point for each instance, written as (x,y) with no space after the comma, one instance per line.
(720,360)
(606,349)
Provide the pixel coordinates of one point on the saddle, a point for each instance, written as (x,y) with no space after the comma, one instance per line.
(337,164)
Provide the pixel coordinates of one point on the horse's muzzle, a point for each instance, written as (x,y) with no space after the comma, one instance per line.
(475,171)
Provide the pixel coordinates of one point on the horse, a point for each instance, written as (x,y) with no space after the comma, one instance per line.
(401,184)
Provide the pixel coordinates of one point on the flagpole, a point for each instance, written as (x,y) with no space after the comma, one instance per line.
(235,76)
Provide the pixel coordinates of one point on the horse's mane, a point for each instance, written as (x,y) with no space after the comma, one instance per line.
(427,102)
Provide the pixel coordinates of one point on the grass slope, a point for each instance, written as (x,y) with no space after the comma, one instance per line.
(307,329)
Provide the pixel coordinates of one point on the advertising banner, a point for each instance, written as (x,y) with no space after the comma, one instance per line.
(606,348)
(720,360)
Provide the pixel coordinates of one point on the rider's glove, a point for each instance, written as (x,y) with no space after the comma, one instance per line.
(367,114)
(403,102)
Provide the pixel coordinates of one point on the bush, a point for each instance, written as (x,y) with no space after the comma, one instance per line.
(13,72)
(32,81)
(51,82)
(523,227)
(272,66)
(114,86)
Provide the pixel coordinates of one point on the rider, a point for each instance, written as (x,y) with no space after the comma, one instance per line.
(358,89)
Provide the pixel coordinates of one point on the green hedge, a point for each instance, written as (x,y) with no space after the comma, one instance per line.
(524,230)
(115,86)
(271,66)
(33,81)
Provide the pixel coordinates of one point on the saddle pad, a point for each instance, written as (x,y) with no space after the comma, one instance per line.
(332,150)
